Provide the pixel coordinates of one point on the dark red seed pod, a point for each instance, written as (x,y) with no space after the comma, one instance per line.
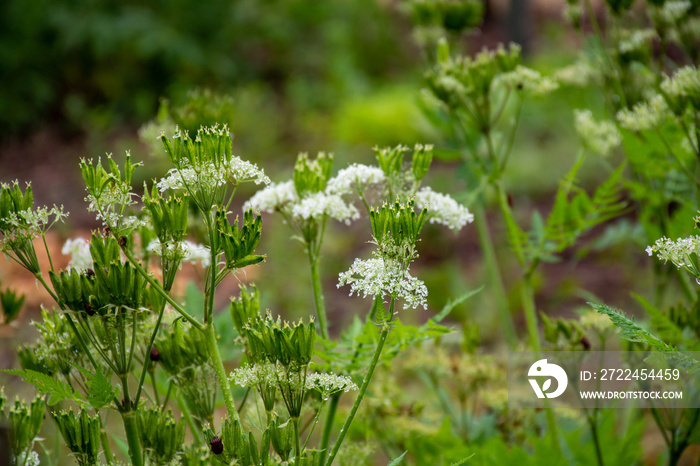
(585,343)
(216,445)
(89,310)
(90,273)
(511,200)
(155,355)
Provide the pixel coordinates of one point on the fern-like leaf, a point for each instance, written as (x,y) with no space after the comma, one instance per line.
(631,331)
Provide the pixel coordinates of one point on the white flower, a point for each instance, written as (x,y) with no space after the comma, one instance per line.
(255,375)
(636,40)
(600,137)
(321,204)
(328,384)
(579,74)
(379,277)
(354,178)
(685,82)
(186,250)
(528,80)
(645,115)
(79,250)
(678,251)
(212,176)
(674,10)
(276,196)
(443,209)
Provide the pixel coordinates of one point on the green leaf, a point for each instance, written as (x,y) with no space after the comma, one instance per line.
(451,304)
(660,321)
(396,461)
(631,331)
(463,460)
(101,392)
(56,389)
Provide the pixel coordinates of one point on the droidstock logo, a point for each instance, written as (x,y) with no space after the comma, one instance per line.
(542,368)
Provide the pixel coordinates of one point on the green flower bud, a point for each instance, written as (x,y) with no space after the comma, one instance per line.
(422,158)
(11,303)
(161,436)
(25,423)
(311,176)
(81,435)
(245,307)
(239,245)
(282,438)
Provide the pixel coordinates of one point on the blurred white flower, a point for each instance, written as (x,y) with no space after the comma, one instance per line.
(443,209)
(79,250)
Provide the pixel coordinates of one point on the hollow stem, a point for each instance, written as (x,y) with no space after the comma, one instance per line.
(132,433)
(213,348)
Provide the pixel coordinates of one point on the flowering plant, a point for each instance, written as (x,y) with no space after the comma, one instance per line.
(117,314)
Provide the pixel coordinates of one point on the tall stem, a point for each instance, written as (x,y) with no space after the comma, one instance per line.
(495,277)
(132,436)
(318,294)
(368,376)
(527,295)
(328,427)
(213,348)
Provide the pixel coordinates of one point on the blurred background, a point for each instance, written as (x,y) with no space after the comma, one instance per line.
(82,78)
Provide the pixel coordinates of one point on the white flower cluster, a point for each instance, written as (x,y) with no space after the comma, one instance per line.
(528,80)
(36,221)
(356,177)
(443,209)
(678,251)
(269,375)
(636,41)
(276,196)
(187,250)
(283,197)
(255,375)
(110,204)
(381,277)
(79,250)
(321,204)
(600,137)
(674,10)
(579,74)
(645,115)
(211,176)
(328,384)
(685,82)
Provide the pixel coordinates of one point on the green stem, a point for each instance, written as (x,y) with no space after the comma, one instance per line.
(185,410)
(295,423)
(528,297)
(495,277)
(147,356)
(368,376)
(132,436)
(213,348)
(328,427)
(156,286)
(318,294)
(593,424)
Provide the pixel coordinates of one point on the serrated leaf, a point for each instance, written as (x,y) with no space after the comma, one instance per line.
(56,389)
(631,331)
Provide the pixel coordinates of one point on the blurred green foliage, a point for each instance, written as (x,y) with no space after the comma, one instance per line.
(109,62)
